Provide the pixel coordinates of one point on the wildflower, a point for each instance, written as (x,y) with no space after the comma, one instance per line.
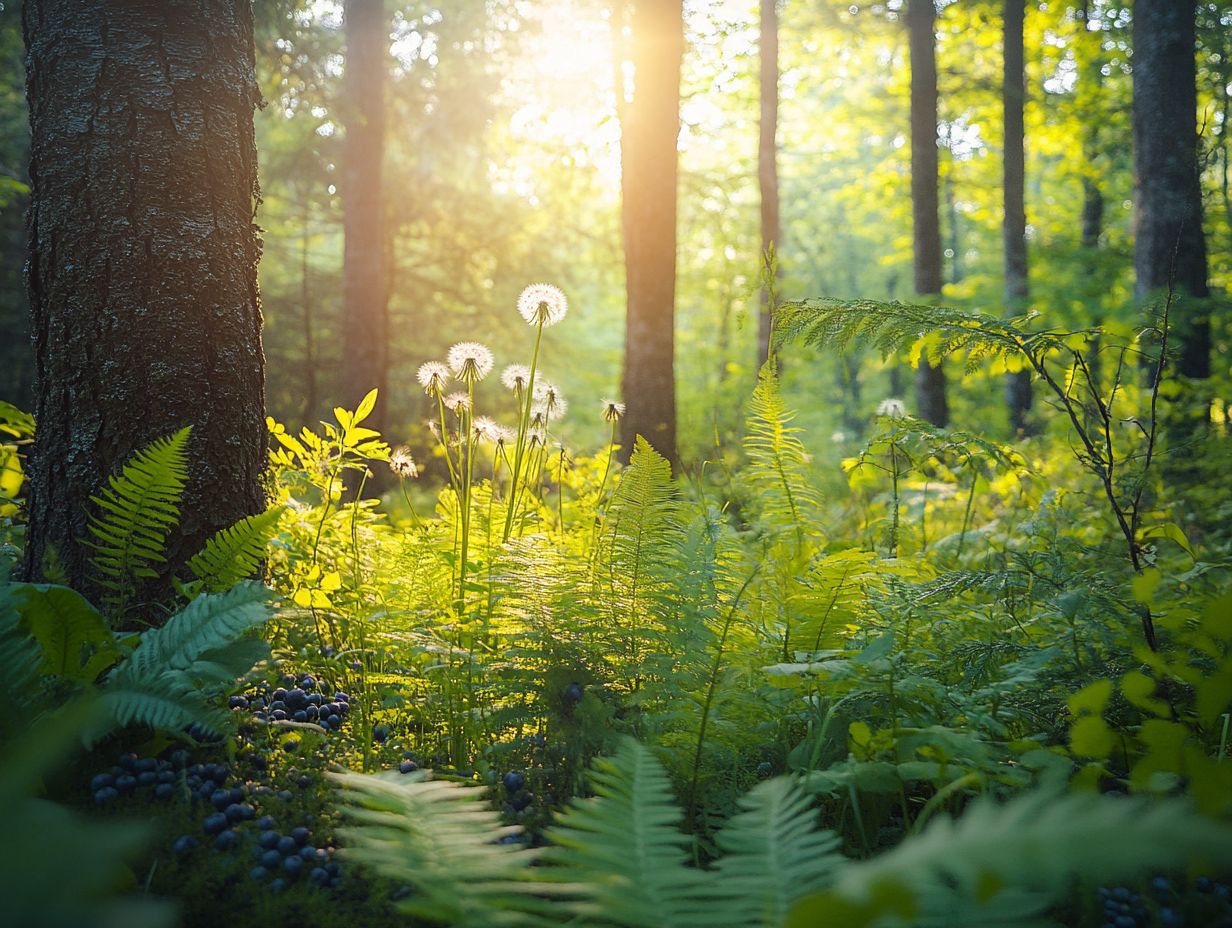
(550,399)
(402,464)
(613,411)
(550,409)
(515,377)
(433,377)
(542,304)
(504,436)
(485,429)
(891,408)
(838,437)
(471,361)
(456,403)
(434,427)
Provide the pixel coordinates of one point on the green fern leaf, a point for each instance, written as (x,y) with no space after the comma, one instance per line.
(777,458)
(623,851)
(136,510)
(775,855)
(234,553)
(1002,863)
(444,839)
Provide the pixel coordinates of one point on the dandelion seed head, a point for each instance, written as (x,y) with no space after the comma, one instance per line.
(402,464)
(433,377)
(613,411)
(485,428)
(892,408)
(551,409)
(457,402)
(542,304)
(470,361)
(515,377)
(434,427)
(838,437)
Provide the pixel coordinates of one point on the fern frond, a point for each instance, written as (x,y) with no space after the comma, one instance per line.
(135,511)
(775,855)
(234,553)
(777,459)
(894,328)
(623,851)
(1030,847)
(442,838)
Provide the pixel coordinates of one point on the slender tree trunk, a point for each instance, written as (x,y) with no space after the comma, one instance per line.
(921,15)
(1088,53)
(1014,225)
(365,291)
(1170,248)
(142,268)
(310,348)
(649,125)
(767,156)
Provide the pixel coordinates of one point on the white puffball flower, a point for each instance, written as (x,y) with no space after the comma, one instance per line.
(892,408)
(433,377)
(542,304)
(470,361)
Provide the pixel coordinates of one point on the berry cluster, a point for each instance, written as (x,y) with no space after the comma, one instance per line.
(133,775)
(286,857)
(297,700)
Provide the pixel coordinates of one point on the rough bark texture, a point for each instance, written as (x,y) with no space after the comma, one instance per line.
(921,15)
(1014,224)
(1169,245)
(143,255)
(365,290)
(649,125)
(767,155)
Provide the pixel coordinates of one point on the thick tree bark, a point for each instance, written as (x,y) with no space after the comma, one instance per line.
(1170,249)
(1014,225)
(649,125)
(921,15)
(142,267)
(365,289)
(767,156)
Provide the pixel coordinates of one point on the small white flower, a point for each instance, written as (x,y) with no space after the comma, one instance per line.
(457,402)
(515,377)
(550,399)
(613,411)
(892,408)
(485,429)
(402,464)
(542,304)
(433,377)
(549,409)
(470,361)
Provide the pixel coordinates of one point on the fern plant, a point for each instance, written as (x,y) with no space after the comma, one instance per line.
(235,552)
(135,512)
(619,860)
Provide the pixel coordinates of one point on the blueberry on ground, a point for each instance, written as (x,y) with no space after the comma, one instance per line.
(304,781)
(287,845)
(300,835)
(408,766)
(164,791)
(277,885)
(514,781)
(308,852)
(266,822)
(269,839)
(286,795)
(292,865)
(106,794)
(214,824)
(101,780)
(184,843)
(258,873)
(126,783)
(271,859)
(226,840)
(573,693)
(220,799)
(319,876)
(147,778)
(290,745)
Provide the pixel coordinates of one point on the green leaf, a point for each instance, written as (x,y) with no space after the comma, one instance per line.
(75,639)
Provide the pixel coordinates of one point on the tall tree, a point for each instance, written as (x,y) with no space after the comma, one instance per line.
(921,18)
(1170,248)
(142,268)
(365,288)
(649,125)
(1014,223)
(767,155)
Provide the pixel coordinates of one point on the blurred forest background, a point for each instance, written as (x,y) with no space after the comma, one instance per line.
(501,166)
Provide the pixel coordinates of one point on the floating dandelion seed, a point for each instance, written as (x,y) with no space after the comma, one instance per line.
(515,377)
(613,411)
(402,464)
(470,361)
(542,304)
(457,402)
(892,408)
(485,429)
(433,377)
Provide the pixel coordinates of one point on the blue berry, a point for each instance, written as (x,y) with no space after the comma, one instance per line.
(514,781)
(292,865)
(277,885)
(287,845)
(266,822)
(319,876)
(183,844)
(574,693)
(269,839)
(258,873)
(147,778)
(237,702)
(286,795)
(220,799)
(106,794)
(308,852)
(300,835)
(214,824)
(126,783)
(101,780)
(226,840)
(164,791)
(1170,918)
(408,766)
(271,859)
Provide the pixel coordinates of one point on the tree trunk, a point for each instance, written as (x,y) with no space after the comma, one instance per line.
(142,267)
(365,291)
(649,125)
(929,380)
(767,156)
(1088,54)
(1014,226)
(1170,249)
